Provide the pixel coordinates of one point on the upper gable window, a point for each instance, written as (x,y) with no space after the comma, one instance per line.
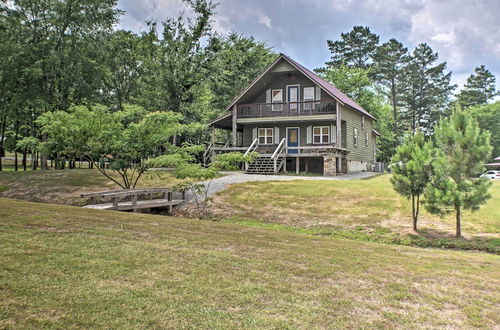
(363,122)
(309,96)
(277,97)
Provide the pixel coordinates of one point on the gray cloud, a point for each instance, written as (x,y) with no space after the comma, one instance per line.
(465,33)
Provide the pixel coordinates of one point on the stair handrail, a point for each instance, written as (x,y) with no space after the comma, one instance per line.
(252,147)
(277,154)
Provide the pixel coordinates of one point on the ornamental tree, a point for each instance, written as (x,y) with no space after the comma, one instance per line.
(411,167)
(462,149)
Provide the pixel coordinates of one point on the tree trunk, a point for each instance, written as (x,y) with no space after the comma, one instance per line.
(24,161)
(43,157)
(2,138)
(413,212)
(458,215)
(15,147)
(395,112)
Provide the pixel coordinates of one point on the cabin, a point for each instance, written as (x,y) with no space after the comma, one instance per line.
(297,121)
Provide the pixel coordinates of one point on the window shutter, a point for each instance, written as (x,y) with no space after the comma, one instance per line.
(318,93)
(276,135)
(333,134)
(268,96)
(254,133)
(309,134)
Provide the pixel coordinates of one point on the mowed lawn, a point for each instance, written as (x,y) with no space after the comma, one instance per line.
(65,186)
(370,206)
(68,267)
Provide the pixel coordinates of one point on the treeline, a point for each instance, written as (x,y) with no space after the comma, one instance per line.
(57,54)
(406,90)
(60,54)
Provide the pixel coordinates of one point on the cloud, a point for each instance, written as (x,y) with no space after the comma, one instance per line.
(465,33)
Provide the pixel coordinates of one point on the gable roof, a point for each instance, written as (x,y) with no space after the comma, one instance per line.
(323,84)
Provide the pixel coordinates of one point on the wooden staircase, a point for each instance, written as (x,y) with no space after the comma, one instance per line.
(265,165)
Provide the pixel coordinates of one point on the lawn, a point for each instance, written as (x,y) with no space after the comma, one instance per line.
(68,267)
(65,186)
(369,209)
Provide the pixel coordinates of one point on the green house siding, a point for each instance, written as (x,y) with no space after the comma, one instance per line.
(361,152)
(248,132)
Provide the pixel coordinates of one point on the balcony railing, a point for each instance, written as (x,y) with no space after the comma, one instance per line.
(304,108)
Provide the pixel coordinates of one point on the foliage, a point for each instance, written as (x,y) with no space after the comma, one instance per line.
(120,141)
(390,58)
(426,89)
(358,85)
(479,88)
(488,118)
(462,149)
(355,48)
(192,173)
(411,170)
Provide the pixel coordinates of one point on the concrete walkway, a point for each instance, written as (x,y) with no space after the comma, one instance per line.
(229,178)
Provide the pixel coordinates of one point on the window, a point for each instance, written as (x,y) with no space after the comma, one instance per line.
(366,138)
(355,137)
(277,97)
(321,134)
(362,122)
(309,96)
(266,135)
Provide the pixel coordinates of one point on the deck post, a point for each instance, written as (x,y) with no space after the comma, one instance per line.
(212,136)
(338,124)
(284,164)
(234,131)
(297,165)
(134,203)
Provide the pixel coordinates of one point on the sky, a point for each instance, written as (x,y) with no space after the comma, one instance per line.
(465,33)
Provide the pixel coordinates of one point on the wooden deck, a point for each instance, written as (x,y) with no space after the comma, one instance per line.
(135,199)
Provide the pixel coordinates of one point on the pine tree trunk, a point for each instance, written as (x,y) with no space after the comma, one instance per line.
(24,161)
(15,147)
(395,112)
(413,213)
(459,220)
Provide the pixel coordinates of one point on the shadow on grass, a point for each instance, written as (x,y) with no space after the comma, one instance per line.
(427,238)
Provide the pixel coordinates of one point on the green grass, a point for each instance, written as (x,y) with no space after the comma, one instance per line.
(359,209)
(67,267)
(65,186)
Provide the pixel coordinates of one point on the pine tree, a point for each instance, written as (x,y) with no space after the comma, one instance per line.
(390,58)
(426,90)
(356,48)
(411,167)
(479,88)
(462,149)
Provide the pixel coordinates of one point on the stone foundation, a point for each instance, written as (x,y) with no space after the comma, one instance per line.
(329,166)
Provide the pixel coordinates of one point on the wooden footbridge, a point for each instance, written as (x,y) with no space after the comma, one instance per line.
(135,199)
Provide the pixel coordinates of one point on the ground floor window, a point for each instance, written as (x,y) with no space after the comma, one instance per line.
(321,134)
(266,135)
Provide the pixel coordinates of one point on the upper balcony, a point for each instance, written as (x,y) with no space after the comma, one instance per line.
(286,109)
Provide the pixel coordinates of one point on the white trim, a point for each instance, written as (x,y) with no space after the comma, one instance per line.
(321,135)
(265,136)
(298,137)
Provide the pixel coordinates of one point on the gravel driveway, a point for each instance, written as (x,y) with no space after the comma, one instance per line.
(221,183)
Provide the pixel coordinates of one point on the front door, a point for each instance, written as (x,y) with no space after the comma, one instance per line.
(293,97)
(292,139)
